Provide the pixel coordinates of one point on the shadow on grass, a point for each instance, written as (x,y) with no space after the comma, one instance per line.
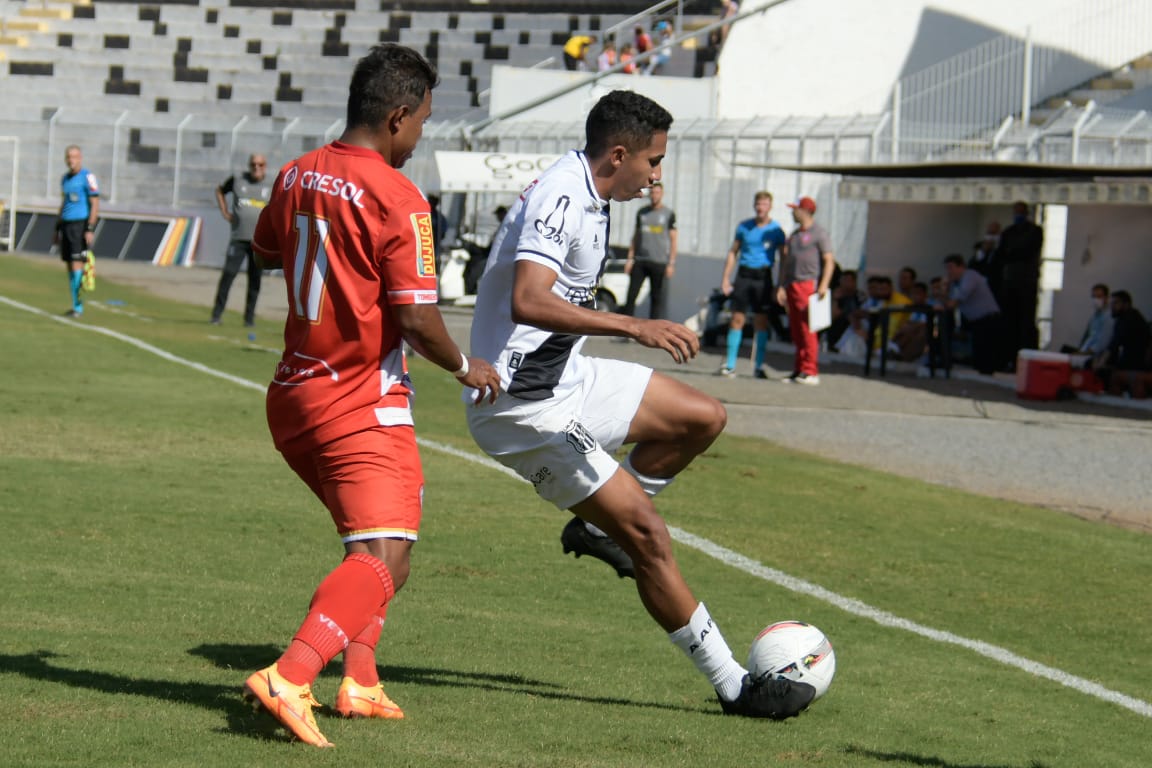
(38,665)
(908,758)
(251,657)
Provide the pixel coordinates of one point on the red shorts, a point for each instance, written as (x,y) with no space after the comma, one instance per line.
(371,482)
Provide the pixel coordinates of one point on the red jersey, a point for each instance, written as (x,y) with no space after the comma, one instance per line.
(354,237)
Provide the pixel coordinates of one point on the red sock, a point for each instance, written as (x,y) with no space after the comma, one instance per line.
(360,655)
(344,603)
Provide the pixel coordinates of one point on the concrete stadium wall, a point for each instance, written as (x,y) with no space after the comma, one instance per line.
(815,57)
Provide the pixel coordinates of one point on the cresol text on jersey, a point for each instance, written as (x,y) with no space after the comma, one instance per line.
(335,186)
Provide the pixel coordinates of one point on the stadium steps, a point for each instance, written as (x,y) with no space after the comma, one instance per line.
(1103,90)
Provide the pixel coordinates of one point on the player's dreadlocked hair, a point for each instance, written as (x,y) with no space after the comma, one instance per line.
(389,76)
(624,117)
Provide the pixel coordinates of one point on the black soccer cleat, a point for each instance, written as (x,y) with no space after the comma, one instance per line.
(771,698)
(577,539)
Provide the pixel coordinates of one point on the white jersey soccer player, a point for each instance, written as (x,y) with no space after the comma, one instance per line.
(560,222)
(561,416)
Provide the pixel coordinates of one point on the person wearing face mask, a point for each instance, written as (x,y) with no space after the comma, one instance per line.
(1018,258)
(1098,333)
(984,253)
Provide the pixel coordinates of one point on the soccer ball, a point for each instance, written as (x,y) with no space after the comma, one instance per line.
(796,651)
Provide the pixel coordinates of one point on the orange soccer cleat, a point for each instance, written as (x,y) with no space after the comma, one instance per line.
(290,704)
(355,700)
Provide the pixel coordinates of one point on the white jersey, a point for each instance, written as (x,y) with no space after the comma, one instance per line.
(559,221)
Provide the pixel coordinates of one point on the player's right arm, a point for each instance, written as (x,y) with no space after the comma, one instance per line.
(265,243)
(222,198)
(729,268)
(534,303)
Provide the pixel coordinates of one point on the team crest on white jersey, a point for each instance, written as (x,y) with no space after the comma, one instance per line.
(579,437)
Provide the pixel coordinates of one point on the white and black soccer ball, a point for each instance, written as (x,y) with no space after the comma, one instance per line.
(796,651)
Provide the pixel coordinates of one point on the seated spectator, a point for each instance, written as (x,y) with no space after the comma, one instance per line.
(911,339)
(880,296)
(663,55)
(846,299)
(626,56)
(576,50)
(1126,361)
(969,293)
(607,58)
(906,280)
(641,40)
(1098,333)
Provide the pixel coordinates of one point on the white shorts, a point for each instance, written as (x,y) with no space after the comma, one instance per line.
(564,446)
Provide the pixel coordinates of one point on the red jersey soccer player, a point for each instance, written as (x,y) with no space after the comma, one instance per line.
(354,238)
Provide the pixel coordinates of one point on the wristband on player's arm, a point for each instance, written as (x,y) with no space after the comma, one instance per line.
(463,370)
(90,226)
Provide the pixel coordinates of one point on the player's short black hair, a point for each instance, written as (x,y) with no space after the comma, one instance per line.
(624,117)
(388,76)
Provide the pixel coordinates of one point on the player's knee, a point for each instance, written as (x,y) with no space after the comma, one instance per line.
(394,554)
(710,418)
(647,536)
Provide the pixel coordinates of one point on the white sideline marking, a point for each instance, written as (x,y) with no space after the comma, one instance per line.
(724,555)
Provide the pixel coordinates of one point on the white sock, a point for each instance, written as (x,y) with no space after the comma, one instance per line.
(702,642)
(651,485)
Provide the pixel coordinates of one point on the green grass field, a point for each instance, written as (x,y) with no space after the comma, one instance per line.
(156,550)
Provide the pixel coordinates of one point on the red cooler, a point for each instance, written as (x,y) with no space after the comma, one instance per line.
(1042,375)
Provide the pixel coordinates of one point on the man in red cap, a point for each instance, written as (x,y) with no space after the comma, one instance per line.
(806,269)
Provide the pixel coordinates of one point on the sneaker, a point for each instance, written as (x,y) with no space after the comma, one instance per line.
(789,379)
(576,538)
(355,700)
(727,372)
(771,698)
(809,379)
(290,704)
(215,321)
(759,374)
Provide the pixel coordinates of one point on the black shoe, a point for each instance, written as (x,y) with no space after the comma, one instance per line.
(576,538)
(774,699)
(759,374)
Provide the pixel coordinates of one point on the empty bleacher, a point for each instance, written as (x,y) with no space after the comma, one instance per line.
(136,82)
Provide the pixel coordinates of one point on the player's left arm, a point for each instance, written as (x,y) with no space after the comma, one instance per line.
(422,326)
(827,267)
(93,192)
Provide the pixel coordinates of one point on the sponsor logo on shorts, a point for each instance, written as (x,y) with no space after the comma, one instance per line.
(579,437)
(425,251)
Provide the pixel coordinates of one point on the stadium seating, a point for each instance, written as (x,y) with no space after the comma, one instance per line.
(210,71)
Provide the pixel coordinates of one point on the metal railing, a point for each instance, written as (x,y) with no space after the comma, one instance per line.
(947,104)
